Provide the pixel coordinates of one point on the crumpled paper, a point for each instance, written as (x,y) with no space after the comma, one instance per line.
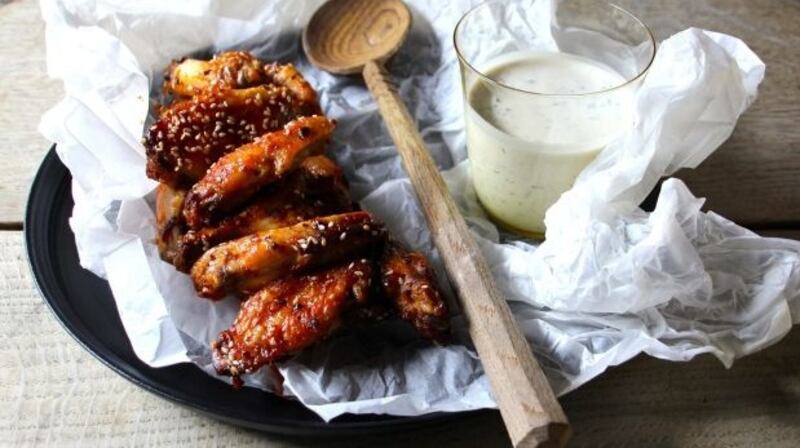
(611,281)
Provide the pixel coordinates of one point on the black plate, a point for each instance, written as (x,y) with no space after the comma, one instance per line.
(85,307)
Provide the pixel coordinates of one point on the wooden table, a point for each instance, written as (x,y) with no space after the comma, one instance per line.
(51,391)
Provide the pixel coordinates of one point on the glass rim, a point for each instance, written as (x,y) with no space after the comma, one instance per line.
(491,80)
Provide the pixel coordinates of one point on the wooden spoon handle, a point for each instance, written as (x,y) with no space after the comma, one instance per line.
(529,408)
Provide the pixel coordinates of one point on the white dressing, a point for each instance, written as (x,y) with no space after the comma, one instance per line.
(527,148)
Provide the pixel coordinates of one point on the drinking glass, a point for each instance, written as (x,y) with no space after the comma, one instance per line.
(547,85)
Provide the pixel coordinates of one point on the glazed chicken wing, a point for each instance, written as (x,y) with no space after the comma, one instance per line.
(192,134)
(408,283)
(246,264)
(238,175)
(289,315)
(170,227)
(317,188)
(228,70)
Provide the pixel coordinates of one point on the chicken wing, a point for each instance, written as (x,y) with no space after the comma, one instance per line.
(238,175)
(170,227)
(408,283)
(192,134)
(246,264)
(228,70)
(289,315)
(317,188)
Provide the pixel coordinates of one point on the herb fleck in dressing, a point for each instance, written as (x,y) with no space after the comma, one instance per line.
(527,148)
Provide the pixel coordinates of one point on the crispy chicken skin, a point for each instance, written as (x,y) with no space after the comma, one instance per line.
(288,76)
(246,264)
(228,70)
(317,188)
(408,283)
(238,175)
(290,314)
(170,226)
(192,134)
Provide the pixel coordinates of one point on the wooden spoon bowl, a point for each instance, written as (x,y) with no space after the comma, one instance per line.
(343,35)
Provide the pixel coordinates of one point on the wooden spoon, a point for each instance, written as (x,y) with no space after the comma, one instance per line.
(351,36)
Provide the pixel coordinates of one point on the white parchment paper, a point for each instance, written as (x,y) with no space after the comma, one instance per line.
(610,282)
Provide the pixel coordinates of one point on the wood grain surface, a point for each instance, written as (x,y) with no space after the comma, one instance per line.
(25,93)
(752,179)
(54,393)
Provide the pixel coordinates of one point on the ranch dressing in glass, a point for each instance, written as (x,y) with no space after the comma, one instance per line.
(526,149)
